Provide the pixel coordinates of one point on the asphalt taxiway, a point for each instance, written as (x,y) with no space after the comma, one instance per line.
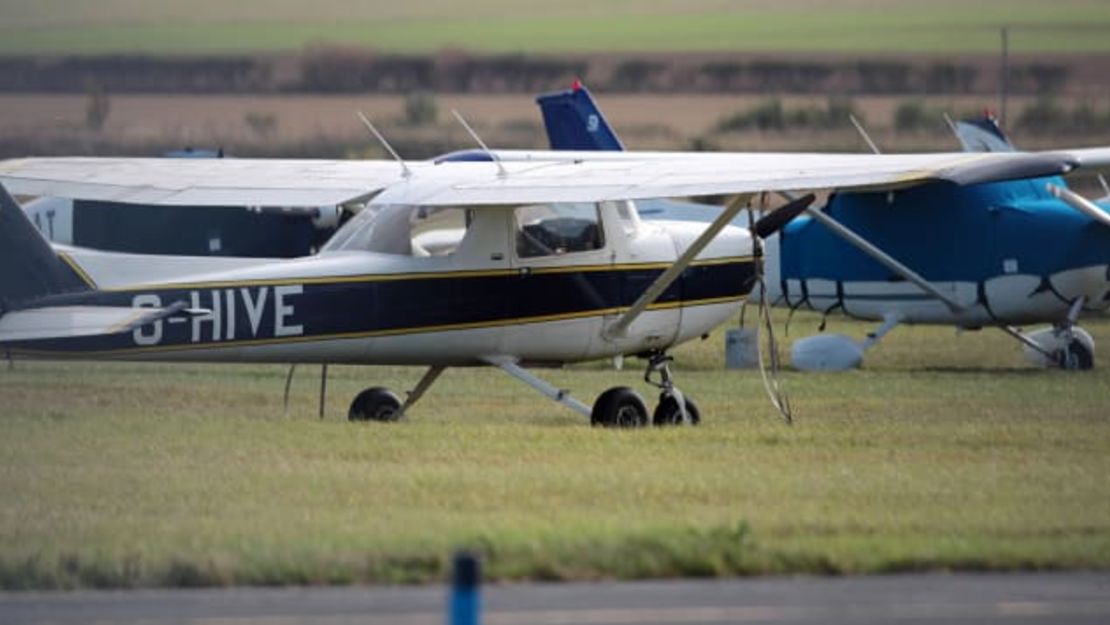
(1058,598)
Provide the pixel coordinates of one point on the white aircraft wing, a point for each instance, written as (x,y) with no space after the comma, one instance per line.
(200,182)
(598,176)
(1089,158)
(542,176)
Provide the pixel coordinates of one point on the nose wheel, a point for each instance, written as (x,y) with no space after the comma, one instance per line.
(674,408)
(667,412)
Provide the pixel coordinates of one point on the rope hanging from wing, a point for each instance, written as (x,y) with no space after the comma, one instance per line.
(770,369)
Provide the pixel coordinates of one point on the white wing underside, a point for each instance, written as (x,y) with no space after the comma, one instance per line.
(200,182)
(541,176)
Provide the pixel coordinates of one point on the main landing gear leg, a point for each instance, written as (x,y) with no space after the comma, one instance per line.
(620,406)
(378,403)
(557,394)
(674,408)
(617,407)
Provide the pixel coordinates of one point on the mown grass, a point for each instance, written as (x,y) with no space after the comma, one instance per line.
(944,453)
(500,26)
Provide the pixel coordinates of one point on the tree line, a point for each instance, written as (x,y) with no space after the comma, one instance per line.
(354,70)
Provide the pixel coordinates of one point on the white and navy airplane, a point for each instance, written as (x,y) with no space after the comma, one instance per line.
(554,265)
(995,254)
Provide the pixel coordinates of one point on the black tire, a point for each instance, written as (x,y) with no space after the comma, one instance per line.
(619,407)
(375,404)
(1075,357)
(667,412)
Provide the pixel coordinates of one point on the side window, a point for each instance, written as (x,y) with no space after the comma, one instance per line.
(404,230)
(556,229)
(439,231)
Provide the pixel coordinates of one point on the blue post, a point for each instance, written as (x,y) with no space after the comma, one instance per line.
(465,604)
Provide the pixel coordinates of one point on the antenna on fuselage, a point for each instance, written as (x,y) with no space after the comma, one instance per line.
(863,133)
(501,171)
(405,171)
(952,126)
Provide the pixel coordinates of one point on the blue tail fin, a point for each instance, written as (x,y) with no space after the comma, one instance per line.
(574,122)
(29,268)
(982,135)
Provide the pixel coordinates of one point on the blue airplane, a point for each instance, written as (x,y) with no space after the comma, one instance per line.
(987,255)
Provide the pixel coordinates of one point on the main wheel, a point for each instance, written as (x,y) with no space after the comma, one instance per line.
(375,404)
(1075,357)
(619,407)
(667,412)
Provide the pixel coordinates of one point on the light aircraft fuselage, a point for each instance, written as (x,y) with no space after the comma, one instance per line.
(1010,253)
(357,302)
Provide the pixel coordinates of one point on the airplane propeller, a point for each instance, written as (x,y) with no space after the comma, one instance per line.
(778,219)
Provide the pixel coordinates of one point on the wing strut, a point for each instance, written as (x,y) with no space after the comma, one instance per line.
(620,326)
(510,366)
(1081,204)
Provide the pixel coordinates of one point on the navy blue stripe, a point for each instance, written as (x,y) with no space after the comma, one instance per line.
(412,304)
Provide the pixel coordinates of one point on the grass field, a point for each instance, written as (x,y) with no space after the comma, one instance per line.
(946,452)
(211,26)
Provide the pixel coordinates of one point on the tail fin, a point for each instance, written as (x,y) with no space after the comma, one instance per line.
(982,135)
(574,122)
(29,268)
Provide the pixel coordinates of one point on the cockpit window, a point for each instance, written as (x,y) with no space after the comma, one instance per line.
(403,230)
(556,229)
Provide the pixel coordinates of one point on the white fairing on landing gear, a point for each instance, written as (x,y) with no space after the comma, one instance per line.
(1073,348)
(826,352)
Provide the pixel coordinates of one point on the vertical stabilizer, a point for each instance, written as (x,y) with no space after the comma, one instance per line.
(29,268)
(982,135)
(574,122)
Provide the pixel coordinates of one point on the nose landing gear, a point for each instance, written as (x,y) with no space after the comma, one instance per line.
(674,408)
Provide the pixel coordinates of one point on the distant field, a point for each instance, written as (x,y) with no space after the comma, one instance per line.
(326,126)
(212,26)
(945,452)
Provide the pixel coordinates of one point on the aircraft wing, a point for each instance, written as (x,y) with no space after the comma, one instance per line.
(200,182)
(597,176)
(542,176)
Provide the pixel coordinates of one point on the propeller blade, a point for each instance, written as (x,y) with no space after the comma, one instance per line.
(778,219)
